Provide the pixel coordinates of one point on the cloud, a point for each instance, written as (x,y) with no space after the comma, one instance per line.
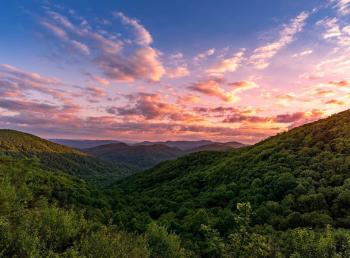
(303,53)
(144,38)
(96,92)
(64,36)
(343,83)
(35,107)
(56,30)
(109,126)
(243,85)
(262,55)
(324,93)
(81,47)
(177,72)
(117,60)
(204,55)
(335,102)
(212,87)
(187,99)
(334,32)
(150,107)
(98,79)
(286,99)
(299,118)
(177,56)
(17,82)
(343,6)
(227,64)
(239,118)
(143,64)
(9,89)
(290,118)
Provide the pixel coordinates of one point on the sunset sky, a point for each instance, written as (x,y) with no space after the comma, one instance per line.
(172,70)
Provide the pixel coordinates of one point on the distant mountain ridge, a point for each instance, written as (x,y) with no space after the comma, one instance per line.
(136,156)
(182,145)
(82,144)
(145,155)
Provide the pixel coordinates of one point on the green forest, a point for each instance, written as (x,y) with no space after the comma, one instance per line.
(287,196)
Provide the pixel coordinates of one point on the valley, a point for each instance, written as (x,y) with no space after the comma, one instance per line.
(208,203)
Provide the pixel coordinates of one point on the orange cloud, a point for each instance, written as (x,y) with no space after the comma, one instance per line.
(187,99)
(212,87)
(343,83)
(335,102)
(324,93)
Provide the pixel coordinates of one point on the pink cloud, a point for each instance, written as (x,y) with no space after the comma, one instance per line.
(227,64)
(110,54)
(22,81)
(143,64)
(177,72)
(187,99)
(243,85)
(151,106)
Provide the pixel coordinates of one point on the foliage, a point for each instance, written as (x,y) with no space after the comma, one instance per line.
(287,196)
(57,157)
(297,179)
(162,243)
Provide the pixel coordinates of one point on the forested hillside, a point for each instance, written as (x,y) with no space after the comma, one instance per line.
(49,214)
(58,157)
(298,179)
(287,196)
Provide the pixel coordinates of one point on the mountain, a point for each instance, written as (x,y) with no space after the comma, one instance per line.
(53,156)
(146,155)
(52,214)
(136,156)
(46,211)
(182,145)
(287,196)
(283,187)
(217,146)
(81,144)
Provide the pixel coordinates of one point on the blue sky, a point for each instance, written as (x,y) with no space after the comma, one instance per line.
(222,70)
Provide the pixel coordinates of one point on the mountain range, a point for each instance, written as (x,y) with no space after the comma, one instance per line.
(287,196)
(82,144)
(147,154)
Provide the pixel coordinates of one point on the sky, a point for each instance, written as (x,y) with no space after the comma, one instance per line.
(172,70)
